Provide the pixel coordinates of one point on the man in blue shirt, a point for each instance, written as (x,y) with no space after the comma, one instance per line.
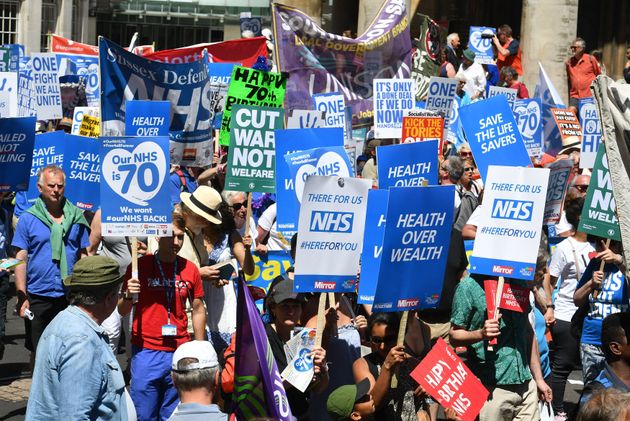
(50,237)
(76,374)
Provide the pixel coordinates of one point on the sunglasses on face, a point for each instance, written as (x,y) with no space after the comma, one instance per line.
(582,188)
(390,339)
(463,154)
(469,169)
(238,206)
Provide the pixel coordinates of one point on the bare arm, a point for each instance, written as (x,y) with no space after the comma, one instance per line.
(581,294)
(242,254)
(199,319)
(534,365)
(500,49)
(206,176)
(469,232)
(95,234)
(462,337)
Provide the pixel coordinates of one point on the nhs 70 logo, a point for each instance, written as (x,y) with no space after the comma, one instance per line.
(520,210)
(324,221)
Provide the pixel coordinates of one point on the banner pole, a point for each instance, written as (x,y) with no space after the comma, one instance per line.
(601,269)
(497,303)
(402,329)
(321,320)
(248,215)
(134,262)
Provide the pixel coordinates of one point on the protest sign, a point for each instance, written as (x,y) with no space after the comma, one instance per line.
(599,215)
(514,297)
(441,97)
(333,107)
(251,87)
(26,89)
(48,150)
(420,125)
(147,118)
(549,98)
(568,125)
(83,171)
(322,62)
(77,118)
(244,51)
(74,58)
(391,98)
(251,164)
(508,234)
(331,224)
(5,59)
(493,135)
(509,93)
(125,76)
(372,244)
(528,115)
(557,190)
(90,126)
(306,119)
(450,382)
(5,105)
(220,74)
(9,88)
(268,266)
(46,86)
(416,241)
(17,140)
(425,59)
(288,142)
(591,131)
(135,197)
(407,165)
(251,23)
(16,52)
(480,41)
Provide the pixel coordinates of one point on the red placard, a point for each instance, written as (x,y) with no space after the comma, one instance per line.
(63,45)
(447,379)
(514,297)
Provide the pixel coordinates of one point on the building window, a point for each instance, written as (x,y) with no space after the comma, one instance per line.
(8,21)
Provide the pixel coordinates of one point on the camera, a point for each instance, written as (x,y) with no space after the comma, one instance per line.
(487,36)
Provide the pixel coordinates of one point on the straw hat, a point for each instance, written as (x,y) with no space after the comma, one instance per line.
(205,202)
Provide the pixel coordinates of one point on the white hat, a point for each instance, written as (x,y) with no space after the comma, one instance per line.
(204,201)
(202,351)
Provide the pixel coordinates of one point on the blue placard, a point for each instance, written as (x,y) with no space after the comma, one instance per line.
(493,135)
(407,164)
(528,115)
(331,160)
(126,76)
(82,165)
(135,197)
(333,105)
(290,141)
(86,67)
(48,150)
(17,139)
(479,42)
(372,244)
(591,131)
(220,74)
(16,51)
(26,88)
(415,248)
(147,118)
(268,267)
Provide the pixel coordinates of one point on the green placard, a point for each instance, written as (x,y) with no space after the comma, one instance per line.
(252,155)
(251,87)
(599,214)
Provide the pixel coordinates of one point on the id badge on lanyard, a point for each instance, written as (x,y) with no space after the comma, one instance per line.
(168,330)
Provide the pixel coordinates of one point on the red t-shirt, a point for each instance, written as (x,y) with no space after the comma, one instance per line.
(151,314)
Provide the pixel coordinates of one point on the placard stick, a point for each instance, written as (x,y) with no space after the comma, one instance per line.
(601,269)
(402,329)
(248,216)
(134,262)
(497,309)
(331,299)
(321,319)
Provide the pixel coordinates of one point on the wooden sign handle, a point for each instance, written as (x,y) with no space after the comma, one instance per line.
(497,303)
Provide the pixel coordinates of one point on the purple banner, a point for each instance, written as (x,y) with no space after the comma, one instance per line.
(258,389)
(321,62)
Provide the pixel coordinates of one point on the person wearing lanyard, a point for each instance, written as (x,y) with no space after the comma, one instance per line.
(163,285)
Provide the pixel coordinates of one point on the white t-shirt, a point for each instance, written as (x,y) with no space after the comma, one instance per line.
(267,221)
(563,267)
(475,217)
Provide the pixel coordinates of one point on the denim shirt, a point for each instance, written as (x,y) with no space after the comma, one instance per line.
(76,375)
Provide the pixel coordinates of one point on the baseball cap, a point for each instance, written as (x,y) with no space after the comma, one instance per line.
(341,401)
(93,271)
(202,351)
(282,291)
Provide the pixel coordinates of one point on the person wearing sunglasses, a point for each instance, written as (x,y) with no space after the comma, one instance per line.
(579,186)
(582,69)
(467,181)
(406,402)
(237,201)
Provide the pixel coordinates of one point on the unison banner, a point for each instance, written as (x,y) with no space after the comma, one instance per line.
(126,76)
(322,62)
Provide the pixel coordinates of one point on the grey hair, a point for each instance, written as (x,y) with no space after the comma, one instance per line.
(228,195)
(455,167)
(49,168)
(463,145)
(580,41)
(89,297)
(189,380)
(451,37)
(509,71)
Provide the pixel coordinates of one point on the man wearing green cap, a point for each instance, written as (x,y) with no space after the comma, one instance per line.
(351,402)
(475,75)
(51,236)
(76,374)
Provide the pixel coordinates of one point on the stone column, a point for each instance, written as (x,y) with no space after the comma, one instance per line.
(313,8)
(547,29)
(64,20)
(29,25)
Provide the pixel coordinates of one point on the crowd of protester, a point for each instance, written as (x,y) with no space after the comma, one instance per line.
(177,311)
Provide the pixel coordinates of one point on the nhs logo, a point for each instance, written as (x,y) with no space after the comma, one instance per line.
(324,221)
(520,210)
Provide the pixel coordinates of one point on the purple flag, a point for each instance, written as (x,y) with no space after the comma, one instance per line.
(258,388)
(321,62)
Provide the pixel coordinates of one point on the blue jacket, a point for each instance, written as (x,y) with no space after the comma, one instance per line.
(76,375)
(607,379)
